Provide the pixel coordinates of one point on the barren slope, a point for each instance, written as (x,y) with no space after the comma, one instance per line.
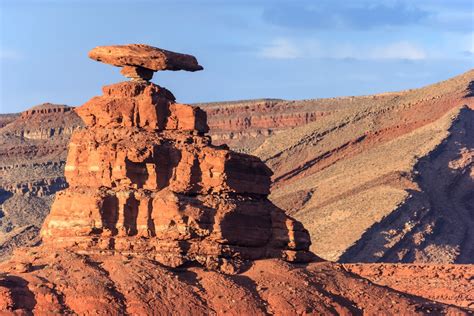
(447,283)
(68,283)
(375,178)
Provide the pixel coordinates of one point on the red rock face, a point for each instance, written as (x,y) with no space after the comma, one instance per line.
(144,180)
(138,104)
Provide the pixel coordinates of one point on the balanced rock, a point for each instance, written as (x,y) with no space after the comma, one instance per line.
(140,61)
(145,181)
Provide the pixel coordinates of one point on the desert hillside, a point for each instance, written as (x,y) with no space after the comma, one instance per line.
(381,178)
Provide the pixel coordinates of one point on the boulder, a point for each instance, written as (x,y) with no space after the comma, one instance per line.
(144,56)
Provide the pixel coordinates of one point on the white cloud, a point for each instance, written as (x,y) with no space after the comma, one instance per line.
(283,48)
(470,46)
(399,50)
(280,48)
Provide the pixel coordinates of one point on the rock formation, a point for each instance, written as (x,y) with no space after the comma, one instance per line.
(149,196)
(140,61)
(145,180)
(328,137)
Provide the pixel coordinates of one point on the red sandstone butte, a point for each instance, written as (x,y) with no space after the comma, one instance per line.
(144,180)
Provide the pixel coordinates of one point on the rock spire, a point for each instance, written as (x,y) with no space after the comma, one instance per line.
(145,180)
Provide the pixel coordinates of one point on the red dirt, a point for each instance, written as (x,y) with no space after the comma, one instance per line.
(45,282)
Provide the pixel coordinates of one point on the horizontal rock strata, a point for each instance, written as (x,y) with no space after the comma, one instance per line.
(144,180)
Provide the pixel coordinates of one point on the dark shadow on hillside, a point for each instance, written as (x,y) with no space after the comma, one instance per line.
(470,90)
(22,296)
(437,223)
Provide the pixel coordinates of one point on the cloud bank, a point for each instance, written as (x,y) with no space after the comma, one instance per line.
(285,48)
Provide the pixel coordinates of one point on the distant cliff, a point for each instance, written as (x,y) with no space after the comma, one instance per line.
(32,155)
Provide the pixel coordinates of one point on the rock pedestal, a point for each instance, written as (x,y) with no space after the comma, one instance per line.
(144,180)
(137,73)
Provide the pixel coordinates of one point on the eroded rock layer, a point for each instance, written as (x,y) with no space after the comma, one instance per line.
(144,180)
(32,159)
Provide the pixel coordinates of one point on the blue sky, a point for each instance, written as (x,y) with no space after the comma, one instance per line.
(249,49)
